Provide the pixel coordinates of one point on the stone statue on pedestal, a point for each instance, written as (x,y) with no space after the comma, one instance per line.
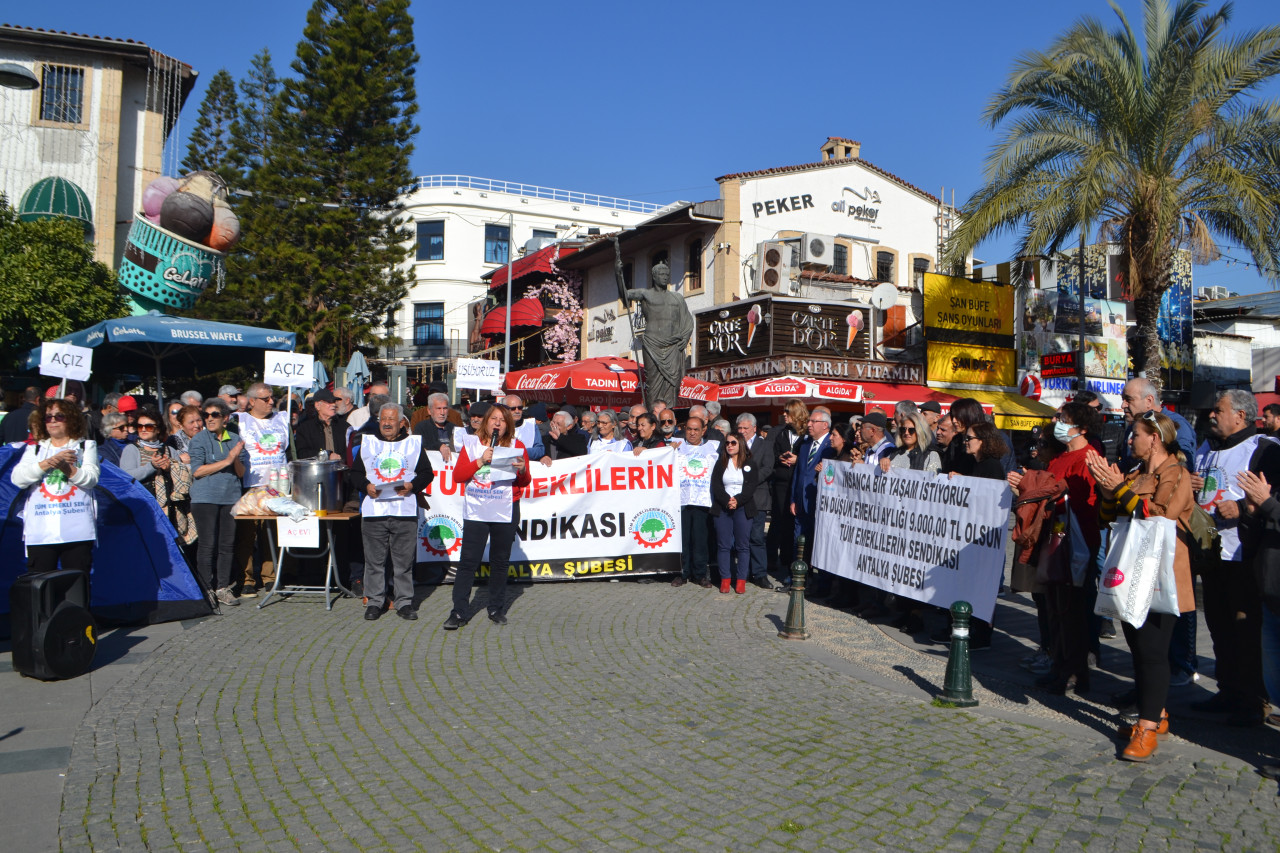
(668,328)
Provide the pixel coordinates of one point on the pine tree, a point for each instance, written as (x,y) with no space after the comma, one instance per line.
(251,132)
(210,145)
(333,243)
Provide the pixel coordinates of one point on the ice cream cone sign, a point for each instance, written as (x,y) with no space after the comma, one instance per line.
(753,320)
(855,325)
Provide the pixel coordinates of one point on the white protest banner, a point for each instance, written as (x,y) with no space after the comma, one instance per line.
(298,534)
(913,533)
(694,464)
(290,369)
(483,374)
(66,361)
(605,515)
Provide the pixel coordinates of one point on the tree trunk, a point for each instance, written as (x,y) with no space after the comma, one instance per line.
(1146,359)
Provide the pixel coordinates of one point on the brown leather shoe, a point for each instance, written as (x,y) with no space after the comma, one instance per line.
(677,581)
(706,583)
(1162,728)
(1142,745)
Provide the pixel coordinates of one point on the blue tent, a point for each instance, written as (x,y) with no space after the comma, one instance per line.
(139,576)
(184,345)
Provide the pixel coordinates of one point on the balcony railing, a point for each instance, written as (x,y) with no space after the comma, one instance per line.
(532,191)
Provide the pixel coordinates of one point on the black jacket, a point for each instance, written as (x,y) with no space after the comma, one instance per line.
(750,482)
(783,443)
(762,455)
(433,436)
(309,435)
(569,444)
(14,426)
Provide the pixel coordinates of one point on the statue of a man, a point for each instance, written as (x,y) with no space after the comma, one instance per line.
(667,330)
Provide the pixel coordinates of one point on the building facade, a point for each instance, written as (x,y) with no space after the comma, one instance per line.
(838,227)
(100,119)
(463,230)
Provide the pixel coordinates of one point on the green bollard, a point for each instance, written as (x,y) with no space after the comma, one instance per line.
(794,627)
(958,689)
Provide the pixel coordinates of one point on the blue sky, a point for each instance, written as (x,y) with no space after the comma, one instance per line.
(654,101)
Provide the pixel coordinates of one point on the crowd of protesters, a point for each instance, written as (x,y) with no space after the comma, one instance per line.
(198,456)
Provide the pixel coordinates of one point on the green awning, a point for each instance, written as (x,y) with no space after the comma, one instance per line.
(56,198)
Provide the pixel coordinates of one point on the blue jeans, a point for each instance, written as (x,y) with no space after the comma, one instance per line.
(1271,654)
(733,533)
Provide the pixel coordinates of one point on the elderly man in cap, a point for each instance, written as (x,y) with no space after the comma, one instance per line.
(233,397)
(324,432)
(932,413)
(874,434)
(390,473)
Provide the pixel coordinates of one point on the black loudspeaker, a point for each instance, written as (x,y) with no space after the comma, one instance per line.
(53,633)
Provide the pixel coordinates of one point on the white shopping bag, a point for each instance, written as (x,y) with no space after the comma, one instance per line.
(1164,597)
(1138,548)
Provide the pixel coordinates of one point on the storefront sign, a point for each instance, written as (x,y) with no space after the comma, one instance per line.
(957,310)
(780,326)
(787,204)
(972,365)
(1060,364)
(817,368)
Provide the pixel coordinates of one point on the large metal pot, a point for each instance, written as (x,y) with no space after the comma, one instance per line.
(317,484)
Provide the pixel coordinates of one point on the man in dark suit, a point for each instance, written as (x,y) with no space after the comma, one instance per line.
(762,456)
(804,484)
(436,431)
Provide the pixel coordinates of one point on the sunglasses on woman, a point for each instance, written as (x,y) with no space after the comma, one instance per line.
(55,418)
(150,427)
(213,414)
(908,430)
(173,413)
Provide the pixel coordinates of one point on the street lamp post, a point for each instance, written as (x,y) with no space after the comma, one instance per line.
(506,350)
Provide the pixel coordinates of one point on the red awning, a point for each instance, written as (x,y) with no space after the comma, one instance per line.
(538,262)
(883,396)
(603,381)
(526,312)
(788,387)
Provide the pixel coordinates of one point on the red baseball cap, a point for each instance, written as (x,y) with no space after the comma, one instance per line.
(126,404)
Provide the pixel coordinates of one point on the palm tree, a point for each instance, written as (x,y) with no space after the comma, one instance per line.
(1161,149)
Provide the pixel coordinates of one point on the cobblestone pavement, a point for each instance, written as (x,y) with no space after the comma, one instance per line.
(605,716)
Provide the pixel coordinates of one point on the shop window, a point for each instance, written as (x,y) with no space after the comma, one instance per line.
(62,94)
(693,265)
(840,259)
(497,243)
(539,234)
(431,240)
(428,323)
(884,266)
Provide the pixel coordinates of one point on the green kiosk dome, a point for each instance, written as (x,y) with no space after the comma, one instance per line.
(57,198)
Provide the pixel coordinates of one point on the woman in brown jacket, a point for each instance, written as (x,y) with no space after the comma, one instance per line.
(1160,486)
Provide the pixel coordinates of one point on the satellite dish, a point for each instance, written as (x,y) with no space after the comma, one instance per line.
(884,296)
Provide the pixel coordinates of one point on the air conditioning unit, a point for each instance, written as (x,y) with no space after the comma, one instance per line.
(817,249)
(773,267)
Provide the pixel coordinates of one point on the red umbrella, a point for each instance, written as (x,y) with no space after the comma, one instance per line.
(601,381)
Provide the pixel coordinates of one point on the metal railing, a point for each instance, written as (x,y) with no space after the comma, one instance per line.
(532,191)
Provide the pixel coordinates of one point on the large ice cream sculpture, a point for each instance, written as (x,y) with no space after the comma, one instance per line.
(855,325)
(178,241)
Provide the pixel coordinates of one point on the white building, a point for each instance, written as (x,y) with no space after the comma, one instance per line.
(463,230)
(98,123)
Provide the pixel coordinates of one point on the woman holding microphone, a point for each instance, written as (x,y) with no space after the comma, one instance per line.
(491,511)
